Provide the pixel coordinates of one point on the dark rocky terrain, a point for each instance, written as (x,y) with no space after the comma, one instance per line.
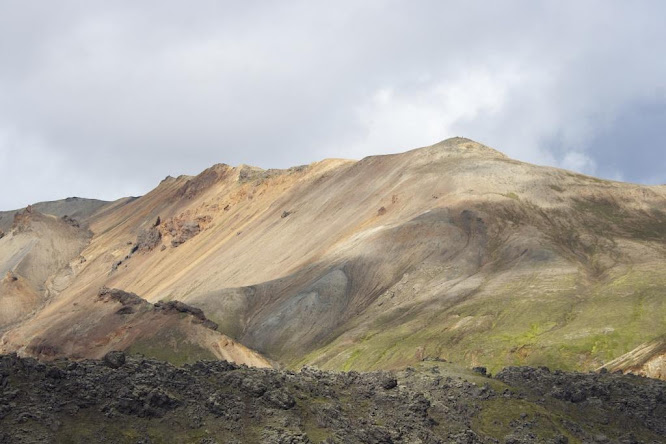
(137,400)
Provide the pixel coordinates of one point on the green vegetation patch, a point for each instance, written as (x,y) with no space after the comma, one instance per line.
(499,415)
(563,322)
(511,195)
(171,346)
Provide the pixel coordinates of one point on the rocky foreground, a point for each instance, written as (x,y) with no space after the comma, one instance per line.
(125,399)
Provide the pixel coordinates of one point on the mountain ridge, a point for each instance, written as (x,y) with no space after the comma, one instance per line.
(384,261)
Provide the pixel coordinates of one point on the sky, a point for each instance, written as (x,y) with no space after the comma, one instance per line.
(104,99)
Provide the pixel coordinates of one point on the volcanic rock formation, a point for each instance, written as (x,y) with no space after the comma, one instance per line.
(124,399)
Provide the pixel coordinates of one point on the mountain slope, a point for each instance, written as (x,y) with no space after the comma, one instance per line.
(452,250)
(34,261)
(74,207)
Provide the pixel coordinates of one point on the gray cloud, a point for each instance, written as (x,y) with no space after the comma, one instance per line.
(103,99)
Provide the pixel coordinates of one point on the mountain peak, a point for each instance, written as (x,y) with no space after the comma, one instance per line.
(463,146)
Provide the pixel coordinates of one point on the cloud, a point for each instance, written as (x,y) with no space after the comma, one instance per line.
(577,161)
(419,112)
(105,99)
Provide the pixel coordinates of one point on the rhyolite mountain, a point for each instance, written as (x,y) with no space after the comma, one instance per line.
(452,251)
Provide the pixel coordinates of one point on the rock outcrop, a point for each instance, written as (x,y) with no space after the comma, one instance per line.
(128,300)
(181,307)
(148,239)
(123,297)
(184,232)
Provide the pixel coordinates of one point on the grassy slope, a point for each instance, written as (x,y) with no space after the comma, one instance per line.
(172,346)
(569,328)
(575,320)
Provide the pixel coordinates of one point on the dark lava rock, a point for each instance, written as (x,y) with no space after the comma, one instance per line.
(144,400)
(125,310)
(115,265)
(480,370)
(71,221)
(254,386)
(124,297)
(388,382)
(54,373)
(182,307)
(615,394)
(131,301)
(280,399)
(114,359)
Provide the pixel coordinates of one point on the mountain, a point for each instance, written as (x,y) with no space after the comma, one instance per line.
(34,259)
(451,251)
(74,207)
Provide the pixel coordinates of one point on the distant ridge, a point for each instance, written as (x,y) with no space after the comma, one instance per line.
(74,207)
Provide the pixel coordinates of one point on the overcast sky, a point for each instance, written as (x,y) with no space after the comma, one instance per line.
(105,98)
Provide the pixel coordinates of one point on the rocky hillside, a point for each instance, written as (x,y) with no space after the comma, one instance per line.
(35,261)
(74,207)
(452,251)
(122,399)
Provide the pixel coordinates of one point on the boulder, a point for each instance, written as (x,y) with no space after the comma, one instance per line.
(280,399)
(480,370)
(388,382)
(148,239)
(114,359)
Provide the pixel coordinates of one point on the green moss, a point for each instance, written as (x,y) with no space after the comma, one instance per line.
(314,432)
(512,195)
(497,415)
(561,322)
(89,425)
(350,361)
(172,346)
